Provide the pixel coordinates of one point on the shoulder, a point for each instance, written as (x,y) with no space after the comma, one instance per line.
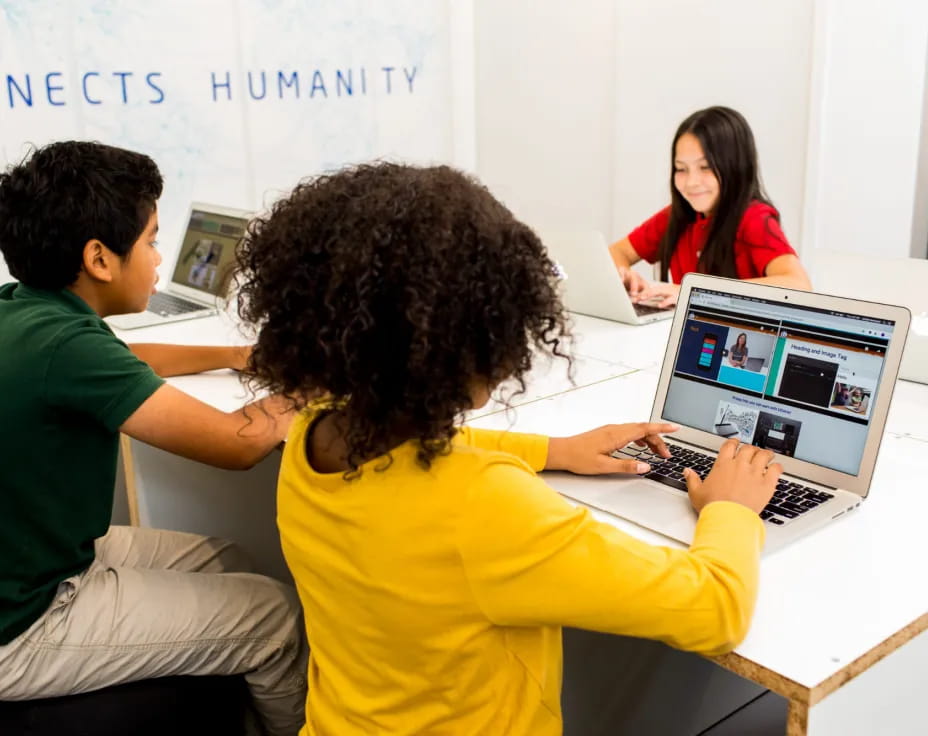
(92,337)
(659,218)
(646,238)
(759,212)
(656,222)
(86,357)
(760,224)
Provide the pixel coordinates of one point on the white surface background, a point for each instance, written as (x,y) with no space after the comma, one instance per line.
(565,110)
(239,152)
(577,105)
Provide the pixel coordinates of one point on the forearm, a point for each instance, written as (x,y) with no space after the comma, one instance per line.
(558,452)
(787,271)
(701,599)
(264,425)
(623,254)
(531,448)
(236,440)
(789,281)
(178,360)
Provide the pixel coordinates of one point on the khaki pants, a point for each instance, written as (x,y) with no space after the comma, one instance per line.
(155,603)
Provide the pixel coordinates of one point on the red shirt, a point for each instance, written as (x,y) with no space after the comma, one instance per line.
(758,241)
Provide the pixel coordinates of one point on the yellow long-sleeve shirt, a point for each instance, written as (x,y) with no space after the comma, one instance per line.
(434,599)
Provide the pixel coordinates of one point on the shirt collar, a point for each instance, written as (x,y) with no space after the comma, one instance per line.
(64,297)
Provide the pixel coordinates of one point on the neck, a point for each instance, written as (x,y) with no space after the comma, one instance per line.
(89,294)
(327,451)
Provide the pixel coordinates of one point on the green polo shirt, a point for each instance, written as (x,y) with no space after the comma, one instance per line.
(67,384)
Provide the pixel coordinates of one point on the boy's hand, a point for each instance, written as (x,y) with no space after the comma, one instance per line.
(590,453)
(742,474)
(239,356)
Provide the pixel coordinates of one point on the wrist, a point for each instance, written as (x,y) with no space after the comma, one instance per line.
(557,454)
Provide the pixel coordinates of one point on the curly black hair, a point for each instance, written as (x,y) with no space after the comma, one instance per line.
(65,194)
(392,289)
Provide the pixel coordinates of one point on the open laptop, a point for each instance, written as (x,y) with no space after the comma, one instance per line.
(819,401)
(202,272)
(591,283)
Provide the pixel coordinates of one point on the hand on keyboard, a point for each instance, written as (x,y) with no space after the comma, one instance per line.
(741,473)
(592,453)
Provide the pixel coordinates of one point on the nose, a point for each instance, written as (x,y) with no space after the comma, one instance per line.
(157,258)
(693,179)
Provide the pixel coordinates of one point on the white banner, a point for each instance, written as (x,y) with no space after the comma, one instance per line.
(236,100)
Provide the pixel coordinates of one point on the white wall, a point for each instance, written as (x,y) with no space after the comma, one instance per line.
(866,125)
(236,103)
(577,104)
(544,108)
(920,223)
(674,57)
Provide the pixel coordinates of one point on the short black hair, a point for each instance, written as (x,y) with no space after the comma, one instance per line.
(394,288)
(65,194)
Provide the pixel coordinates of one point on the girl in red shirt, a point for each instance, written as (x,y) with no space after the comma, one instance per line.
(719,221)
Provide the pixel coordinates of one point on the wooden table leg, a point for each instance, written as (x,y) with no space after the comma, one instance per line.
(128,468)
(797,718)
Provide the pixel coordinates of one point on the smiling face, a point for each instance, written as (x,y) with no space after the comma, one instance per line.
(693,177)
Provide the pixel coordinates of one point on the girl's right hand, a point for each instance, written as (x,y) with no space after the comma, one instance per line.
(664,295)
(742,473)
(634,282)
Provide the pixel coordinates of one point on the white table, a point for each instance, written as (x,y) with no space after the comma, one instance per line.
(839,623)
(835,608)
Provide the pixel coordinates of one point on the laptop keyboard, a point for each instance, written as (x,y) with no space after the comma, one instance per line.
(790,499)
(645,309)
(167,305)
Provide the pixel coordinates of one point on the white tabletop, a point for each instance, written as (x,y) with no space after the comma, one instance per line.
(827,598)
(824,600)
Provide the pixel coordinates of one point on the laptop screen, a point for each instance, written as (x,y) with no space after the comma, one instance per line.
(797,380)
(207,253)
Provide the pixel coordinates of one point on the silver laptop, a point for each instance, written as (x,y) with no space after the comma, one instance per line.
(202,272)
(818,397)
(591,282)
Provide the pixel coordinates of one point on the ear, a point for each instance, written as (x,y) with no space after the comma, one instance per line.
(99,262)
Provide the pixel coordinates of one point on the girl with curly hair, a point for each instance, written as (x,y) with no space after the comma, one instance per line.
(434,566)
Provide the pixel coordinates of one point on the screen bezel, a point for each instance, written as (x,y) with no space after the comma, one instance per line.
(858,484)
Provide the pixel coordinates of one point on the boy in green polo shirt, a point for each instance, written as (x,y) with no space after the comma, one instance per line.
(83,605)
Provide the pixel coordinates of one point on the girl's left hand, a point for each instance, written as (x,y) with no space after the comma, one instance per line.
(664,295)
(590,453)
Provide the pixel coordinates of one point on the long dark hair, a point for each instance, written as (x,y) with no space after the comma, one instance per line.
(728,145)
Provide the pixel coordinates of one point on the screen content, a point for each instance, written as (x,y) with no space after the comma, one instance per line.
(207,255)
(796,380)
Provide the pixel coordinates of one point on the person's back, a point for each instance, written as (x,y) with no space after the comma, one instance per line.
(434,566)
(59,468)
(416,653)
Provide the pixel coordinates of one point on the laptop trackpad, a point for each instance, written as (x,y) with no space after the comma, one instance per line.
(646,503)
